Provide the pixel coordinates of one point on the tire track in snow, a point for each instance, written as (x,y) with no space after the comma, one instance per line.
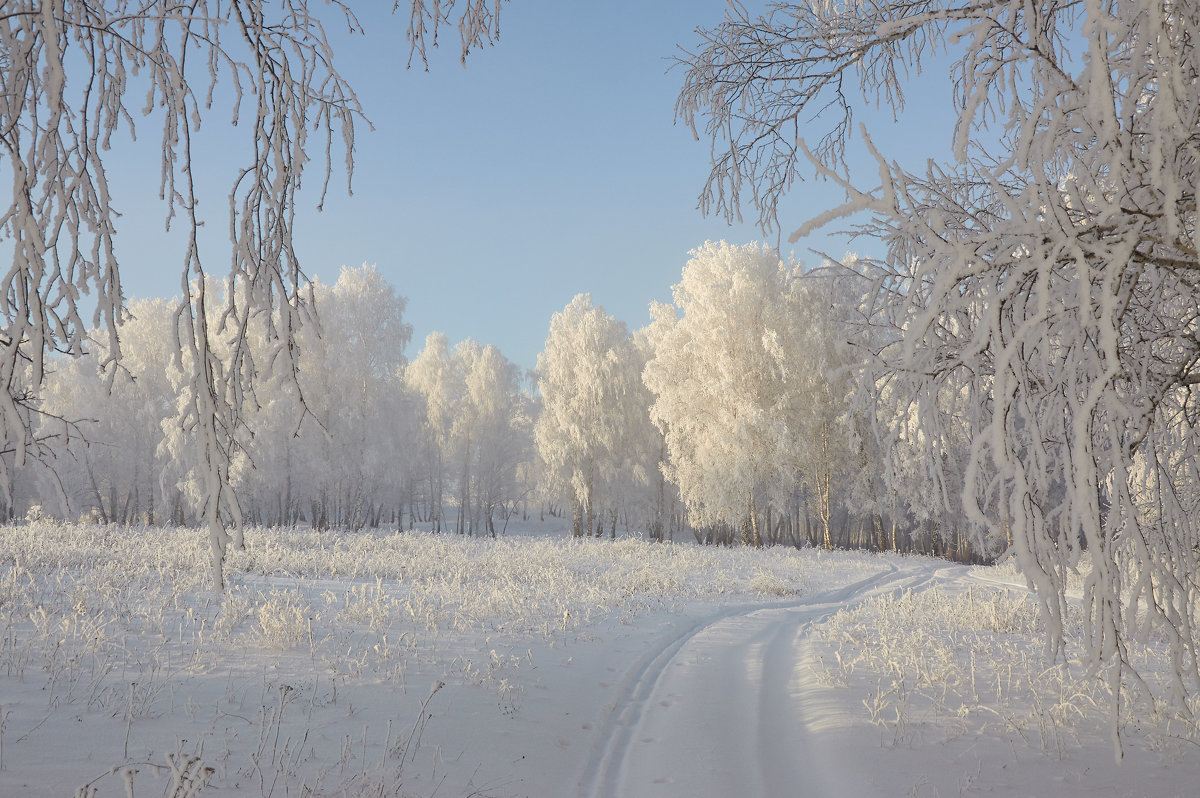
(772,648)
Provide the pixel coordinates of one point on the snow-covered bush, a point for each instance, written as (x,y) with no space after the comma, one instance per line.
(936,663)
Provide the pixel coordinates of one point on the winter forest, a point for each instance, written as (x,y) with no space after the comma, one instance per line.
(921,520)
(728,418)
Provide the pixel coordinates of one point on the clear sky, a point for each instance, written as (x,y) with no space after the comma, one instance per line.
(490,195)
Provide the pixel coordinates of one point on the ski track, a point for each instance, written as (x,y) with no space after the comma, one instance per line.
(718,708)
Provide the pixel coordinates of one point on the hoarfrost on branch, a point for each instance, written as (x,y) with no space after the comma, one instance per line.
(1047,272)
(73,75)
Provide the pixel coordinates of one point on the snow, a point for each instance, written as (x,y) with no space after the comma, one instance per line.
(417,664)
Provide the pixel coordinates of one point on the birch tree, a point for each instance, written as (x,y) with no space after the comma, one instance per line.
(474,421)
(111,461)
(499,434)
(589,391)
(76,74)
(1047,267)
(646,484)
(724,378)
(355,359)
(820,375)
(431,376)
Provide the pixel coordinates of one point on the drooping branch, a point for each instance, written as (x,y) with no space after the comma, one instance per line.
(1045,276)
(71,75)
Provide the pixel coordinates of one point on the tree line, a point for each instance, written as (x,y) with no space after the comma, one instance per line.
(730,417)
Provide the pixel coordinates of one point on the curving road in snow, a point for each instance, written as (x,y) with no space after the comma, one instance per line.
(727,707)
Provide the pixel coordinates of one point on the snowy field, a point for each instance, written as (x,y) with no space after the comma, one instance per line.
(418,664)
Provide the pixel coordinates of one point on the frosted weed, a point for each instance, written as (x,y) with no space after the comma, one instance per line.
(120,630)
(283,619)
(936,665)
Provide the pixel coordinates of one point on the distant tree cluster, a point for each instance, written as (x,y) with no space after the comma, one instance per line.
(357,437)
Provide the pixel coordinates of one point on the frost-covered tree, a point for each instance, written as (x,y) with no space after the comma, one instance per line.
(342,449)
(476,427)
(588,377)
(1048,269)
(76,73)
(725,377)
(337,459)
(499,435)
(431,376)
(362,338)
(907,482)
(649,493)
(216,435)
(820,376)
(109,460)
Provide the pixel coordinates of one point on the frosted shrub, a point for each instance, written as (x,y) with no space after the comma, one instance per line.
(236,608)
(771,584)
(999,611)
(369,605)
(184,776)
(940,664)
(650,581)
(118,626)
(284,619)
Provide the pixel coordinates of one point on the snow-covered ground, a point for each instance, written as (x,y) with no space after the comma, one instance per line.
(418,664)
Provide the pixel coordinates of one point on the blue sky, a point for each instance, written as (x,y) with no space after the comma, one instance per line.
(489,196)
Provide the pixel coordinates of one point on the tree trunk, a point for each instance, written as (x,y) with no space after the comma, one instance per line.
(755,535)
(590,509)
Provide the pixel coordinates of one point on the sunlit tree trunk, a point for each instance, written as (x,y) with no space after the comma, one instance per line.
(588,499)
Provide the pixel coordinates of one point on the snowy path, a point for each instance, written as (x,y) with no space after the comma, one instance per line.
(722,708)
